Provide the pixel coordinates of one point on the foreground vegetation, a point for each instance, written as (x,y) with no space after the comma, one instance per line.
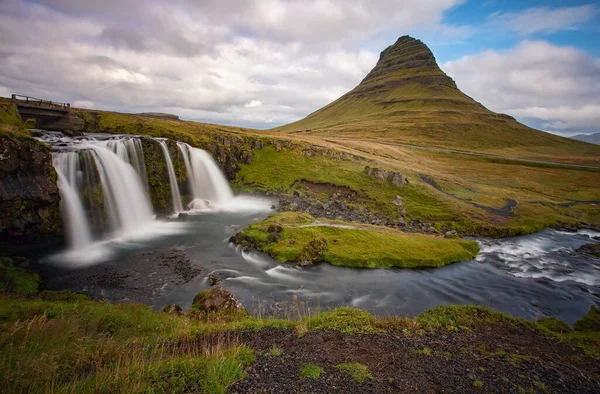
(85,346)
(297,237)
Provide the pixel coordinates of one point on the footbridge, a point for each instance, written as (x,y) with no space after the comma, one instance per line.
(49,115)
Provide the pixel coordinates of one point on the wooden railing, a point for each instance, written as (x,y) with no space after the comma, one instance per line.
(28,100)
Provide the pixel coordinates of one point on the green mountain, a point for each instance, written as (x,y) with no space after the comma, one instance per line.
(407,98)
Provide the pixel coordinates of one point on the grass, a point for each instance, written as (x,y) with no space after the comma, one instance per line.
(359,372)
(17,280)
(361,247)
(86,346)
(393,106)
(311,371)
(66,343)
(275,351)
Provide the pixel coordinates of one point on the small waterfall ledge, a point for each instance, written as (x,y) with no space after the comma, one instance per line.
(105,194)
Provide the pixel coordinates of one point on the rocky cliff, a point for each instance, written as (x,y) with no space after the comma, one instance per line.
(29,198)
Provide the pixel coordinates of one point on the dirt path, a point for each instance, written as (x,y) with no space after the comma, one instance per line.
(501,359)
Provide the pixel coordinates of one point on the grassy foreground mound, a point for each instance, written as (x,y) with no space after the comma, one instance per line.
(298,237)
(72,344)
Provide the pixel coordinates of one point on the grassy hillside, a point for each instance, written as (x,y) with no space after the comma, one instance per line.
(407,98)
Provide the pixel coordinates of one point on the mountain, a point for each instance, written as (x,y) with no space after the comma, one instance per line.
(591,138)
(407,98)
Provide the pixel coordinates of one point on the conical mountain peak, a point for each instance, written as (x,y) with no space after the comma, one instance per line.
(407,98)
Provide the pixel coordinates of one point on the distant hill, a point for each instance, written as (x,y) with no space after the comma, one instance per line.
(160,115)
(407,98)
(591,138)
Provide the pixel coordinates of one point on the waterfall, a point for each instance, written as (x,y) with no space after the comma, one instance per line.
(78,230)
(105,195)
(206,181)
(126,202)
(175,195)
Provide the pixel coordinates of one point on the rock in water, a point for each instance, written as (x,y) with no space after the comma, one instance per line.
(214,278)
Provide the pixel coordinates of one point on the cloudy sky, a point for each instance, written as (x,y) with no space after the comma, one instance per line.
(262,63)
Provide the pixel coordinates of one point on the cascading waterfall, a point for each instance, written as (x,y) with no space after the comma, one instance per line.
(126,202)
(106,176)
(79,231)
(175,195)
(206,181)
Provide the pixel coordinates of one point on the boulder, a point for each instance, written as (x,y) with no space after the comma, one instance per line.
(214,278)
(217,300)
(173,309)
(313,252)
(451,234)
(398,201)
(395,177)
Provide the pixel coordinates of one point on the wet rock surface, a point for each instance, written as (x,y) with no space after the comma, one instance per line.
(504,358)
(141,276)
(29,198)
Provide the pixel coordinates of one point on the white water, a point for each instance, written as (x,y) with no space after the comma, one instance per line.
(175,195)
(126,202)
(115,166)
(72,212)
(206,181)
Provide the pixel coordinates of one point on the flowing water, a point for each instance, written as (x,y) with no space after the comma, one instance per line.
(529,276)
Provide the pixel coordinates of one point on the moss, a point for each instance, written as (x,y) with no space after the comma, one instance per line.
(17,280)
(311,371)
(590,322)
(359,372)
(554,325)
(344,319)
(352,245)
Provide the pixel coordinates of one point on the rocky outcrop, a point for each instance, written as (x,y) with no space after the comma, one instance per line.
(29,197)
(395,177)
(158,175)
(217,300)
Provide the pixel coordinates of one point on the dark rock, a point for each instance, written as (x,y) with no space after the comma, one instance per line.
(173,309)
(214,278)
(590,249)
(274,237)
(275,228)
(218,300)
(183,216)
(29,198)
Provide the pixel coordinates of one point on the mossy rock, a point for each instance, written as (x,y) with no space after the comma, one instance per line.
(590,322)
(173,309)
(217,302)
(313,252)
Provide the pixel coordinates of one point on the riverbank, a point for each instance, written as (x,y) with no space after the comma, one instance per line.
(58,342)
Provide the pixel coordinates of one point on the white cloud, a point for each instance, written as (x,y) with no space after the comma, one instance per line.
(545,19)
(247,62)
(555,85)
